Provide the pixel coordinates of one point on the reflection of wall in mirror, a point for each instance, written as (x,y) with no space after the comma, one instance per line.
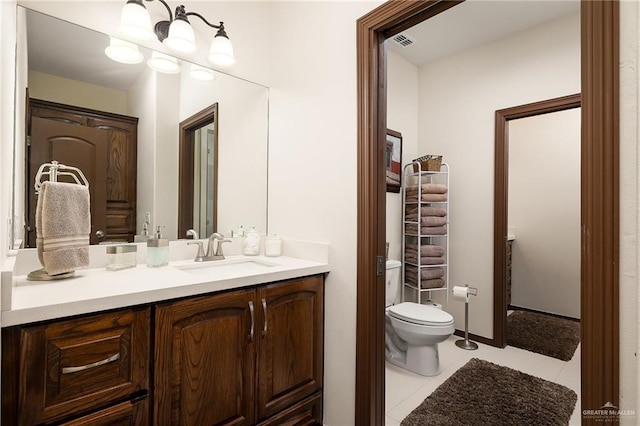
(242,147)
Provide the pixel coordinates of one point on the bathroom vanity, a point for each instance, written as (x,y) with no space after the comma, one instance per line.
(218,347)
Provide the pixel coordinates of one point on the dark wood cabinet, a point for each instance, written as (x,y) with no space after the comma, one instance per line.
(55,371)
(204,354)
(243,357)
(291,343)
(240,357)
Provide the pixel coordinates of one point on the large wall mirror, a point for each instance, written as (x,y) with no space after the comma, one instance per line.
(66,64)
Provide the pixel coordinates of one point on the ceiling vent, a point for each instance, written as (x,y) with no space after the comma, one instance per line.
(403,39)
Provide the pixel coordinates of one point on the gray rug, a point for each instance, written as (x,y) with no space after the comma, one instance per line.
(543,334)
(483,393)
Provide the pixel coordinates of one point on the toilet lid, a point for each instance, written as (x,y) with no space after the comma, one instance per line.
(420,314)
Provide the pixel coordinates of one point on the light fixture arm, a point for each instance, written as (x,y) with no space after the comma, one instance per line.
(221,26)
(168,8)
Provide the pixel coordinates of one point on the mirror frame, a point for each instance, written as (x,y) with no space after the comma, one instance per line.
(186,154)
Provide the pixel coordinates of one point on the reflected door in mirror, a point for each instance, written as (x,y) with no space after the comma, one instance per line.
(104,148)
(198,166)
(71,145)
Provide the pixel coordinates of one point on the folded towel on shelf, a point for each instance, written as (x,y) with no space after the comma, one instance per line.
(430,188)
(430,198)
(425,273)
(425,250)
(424,260)
(432,220)
(63,225)
(412,228)
(425,211)
(425,284)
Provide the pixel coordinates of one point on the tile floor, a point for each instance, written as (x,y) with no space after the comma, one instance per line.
(406,390)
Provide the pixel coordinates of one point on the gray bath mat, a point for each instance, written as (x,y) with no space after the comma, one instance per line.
(543,334)
(483,393)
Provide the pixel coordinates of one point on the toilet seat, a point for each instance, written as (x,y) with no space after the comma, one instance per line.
(416,313)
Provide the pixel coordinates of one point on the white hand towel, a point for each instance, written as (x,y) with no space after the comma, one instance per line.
(63,225)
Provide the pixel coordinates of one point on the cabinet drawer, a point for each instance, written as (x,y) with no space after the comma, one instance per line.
(306,412)
(76,365)
(124,414)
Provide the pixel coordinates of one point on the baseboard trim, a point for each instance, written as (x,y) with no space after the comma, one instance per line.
(477,338)
(520,308)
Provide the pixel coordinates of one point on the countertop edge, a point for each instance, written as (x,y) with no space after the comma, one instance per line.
(79,307)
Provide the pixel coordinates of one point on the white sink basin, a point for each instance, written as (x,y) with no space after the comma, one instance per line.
(226,267)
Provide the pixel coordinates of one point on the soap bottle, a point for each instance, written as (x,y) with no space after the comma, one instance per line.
(157,250)
(251,243)
(144,237)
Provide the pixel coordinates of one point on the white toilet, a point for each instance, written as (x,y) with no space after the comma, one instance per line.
(413,331)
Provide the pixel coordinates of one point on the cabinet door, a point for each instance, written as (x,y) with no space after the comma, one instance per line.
(290,348)
(60,369)
(204,361)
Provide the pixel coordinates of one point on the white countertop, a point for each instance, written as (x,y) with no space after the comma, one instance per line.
(96,289)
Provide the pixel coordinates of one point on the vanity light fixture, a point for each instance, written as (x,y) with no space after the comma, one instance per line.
(176,33)
(123,51)
(163,63)
(201,73)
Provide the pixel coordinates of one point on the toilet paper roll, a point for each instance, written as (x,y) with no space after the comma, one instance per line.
(461,293)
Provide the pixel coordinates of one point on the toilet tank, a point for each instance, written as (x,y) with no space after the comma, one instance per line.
(392,281)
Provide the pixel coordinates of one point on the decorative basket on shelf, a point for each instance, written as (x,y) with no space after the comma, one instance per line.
(429,163)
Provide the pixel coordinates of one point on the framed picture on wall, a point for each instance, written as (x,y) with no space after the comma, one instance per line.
(393,160)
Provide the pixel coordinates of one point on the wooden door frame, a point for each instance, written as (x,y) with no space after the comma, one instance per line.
(186,153)
(501,197)
(599,199)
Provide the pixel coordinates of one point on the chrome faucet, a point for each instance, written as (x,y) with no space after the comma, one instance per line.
(214,248)
(193,233)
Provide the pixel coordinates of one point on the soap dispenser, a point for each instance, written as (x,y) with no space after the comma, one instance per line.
(157,250)
(144,237)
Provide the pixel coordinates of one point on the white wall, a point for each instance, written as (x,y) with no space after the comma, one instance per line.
(629,169)
(544,212)
(402,116)
(459,96)
(73,92)
(7,81)
(21,80)
(313,165)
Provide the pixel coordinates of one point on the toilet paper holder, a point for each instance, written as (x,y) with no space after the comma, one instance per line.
(466,290)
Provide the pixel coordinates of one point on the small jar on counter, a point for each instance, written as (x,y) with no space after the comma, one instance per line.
(273,246)
(251,243)
(121,257)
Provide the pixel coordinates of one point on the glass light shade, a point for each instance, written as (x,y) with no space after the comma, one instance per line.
(123,51)
(163,63)
(201,73)
(221,52)
(181,38)
(135,22)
